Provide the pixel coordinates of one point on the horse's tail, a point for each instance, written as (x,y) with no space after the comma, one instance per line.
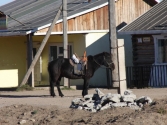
(51,78)
(50,71)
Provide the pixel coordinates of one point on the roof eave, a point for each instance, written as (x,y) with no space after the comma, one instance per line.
(142,32)
(13,34)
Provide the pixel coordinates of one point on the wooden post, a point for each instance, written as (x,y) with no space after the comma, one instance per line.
(41,47)
(30,57)
(121,86)
(113,43)
(65,36)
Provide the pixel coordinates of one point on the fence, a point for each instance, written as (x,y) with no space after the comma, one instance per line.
(146,76)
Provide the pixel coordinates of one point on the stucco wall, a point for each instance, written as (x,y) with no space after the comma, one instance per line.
(78,42)
(13,55)
(97,43)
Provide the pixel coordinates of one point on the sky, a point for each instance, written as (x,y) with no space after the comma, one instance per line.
(2,2)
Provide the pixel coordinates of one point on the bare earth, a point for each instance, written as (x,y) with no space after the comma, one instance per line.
(38,108)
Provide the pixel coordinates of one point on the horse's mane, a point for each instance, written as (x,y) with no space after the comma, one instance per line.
(99,54)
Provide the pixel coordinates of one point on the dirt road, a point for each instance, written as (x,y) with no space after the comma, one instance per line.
(41,97)
(38,108)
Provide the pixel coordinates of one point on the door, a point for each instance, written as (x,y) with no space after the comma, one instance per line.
(38,66)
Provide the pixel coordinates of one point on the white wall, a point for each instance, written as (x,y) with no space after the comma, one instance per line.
(128,49)
(97,43)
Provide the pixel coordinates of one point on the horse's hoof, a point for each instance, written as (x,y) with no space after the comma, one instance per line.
(53,95)
(61,95)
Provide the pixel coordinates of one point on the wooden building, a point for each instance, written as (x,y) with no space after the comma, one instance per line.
(87,30)
(149,39)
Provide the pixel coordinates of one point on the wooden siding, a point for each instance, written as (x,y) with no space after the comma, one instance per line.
(126,12)
(143,53)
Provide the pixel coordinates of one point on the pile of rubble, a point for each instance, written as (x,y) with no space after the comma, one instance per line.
(99,101)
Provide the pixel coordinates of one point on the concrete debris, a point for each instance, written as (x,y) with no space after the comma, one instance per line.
(99,92)
(100,101)
(127,92)
(119,104)
(77,101)
(144,100)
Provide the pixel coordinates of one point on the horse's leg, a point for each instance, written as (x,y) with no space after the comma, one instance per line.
(58,87)
(85,87)
(52,93)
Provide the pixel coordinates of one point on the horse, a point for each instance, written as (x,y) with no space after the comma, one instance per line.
(62,67)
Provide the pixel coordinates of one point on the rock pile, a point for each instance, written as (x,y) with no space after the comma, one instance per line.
(100,101)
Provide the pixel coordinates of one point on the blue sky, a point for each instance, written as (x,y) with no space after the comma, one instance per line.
(2,2)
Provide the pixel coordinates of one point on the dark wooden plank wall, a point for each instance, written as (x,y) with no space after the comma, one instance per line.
(126,11)
(143,53)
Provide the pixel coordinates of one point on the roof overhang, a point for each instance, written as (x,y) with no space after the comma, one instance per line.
(143,32)
(12,34)
(73,32)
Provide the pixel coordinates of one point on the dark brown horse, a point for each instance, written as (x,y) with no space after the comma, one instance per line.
(62,68)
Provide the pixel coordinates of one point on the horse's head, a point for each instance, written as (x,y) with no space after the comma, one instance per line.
(107,60)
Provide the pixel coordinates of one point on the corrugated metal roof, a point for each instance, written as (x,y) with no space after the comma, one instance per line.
(36,13)
(153,21)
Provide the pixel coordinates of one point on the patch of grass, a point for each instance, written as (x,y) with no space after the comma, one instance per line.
(66,88)
(25,88)
(34,112)
(161,111)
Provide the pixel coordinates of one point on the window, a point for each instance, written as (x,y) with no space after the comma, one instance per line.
(162,50)
(56,51)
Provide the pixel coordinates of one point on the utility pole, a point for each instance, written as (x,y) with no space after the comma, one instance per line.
(65,36)
(113,43)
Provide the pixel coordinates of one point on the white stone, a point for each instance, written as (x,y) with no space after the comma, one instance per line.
(131,104)
(127,92)
(140,105)
(120,104)
(148,99)
(127,99)
(135,108)
(98,107)
(144,99)
(89,96)
(115,98)
(90,105)
(89,109)
(86,102)
(77,101)
(22,122)
(80,107)
(99,92)
(107,106)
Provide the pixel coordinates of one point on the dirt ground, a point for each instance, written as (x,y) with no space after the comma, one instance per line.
(38,108)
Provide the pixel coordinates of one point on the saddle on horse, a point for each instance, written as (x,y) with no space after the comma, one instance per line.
(79,64)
